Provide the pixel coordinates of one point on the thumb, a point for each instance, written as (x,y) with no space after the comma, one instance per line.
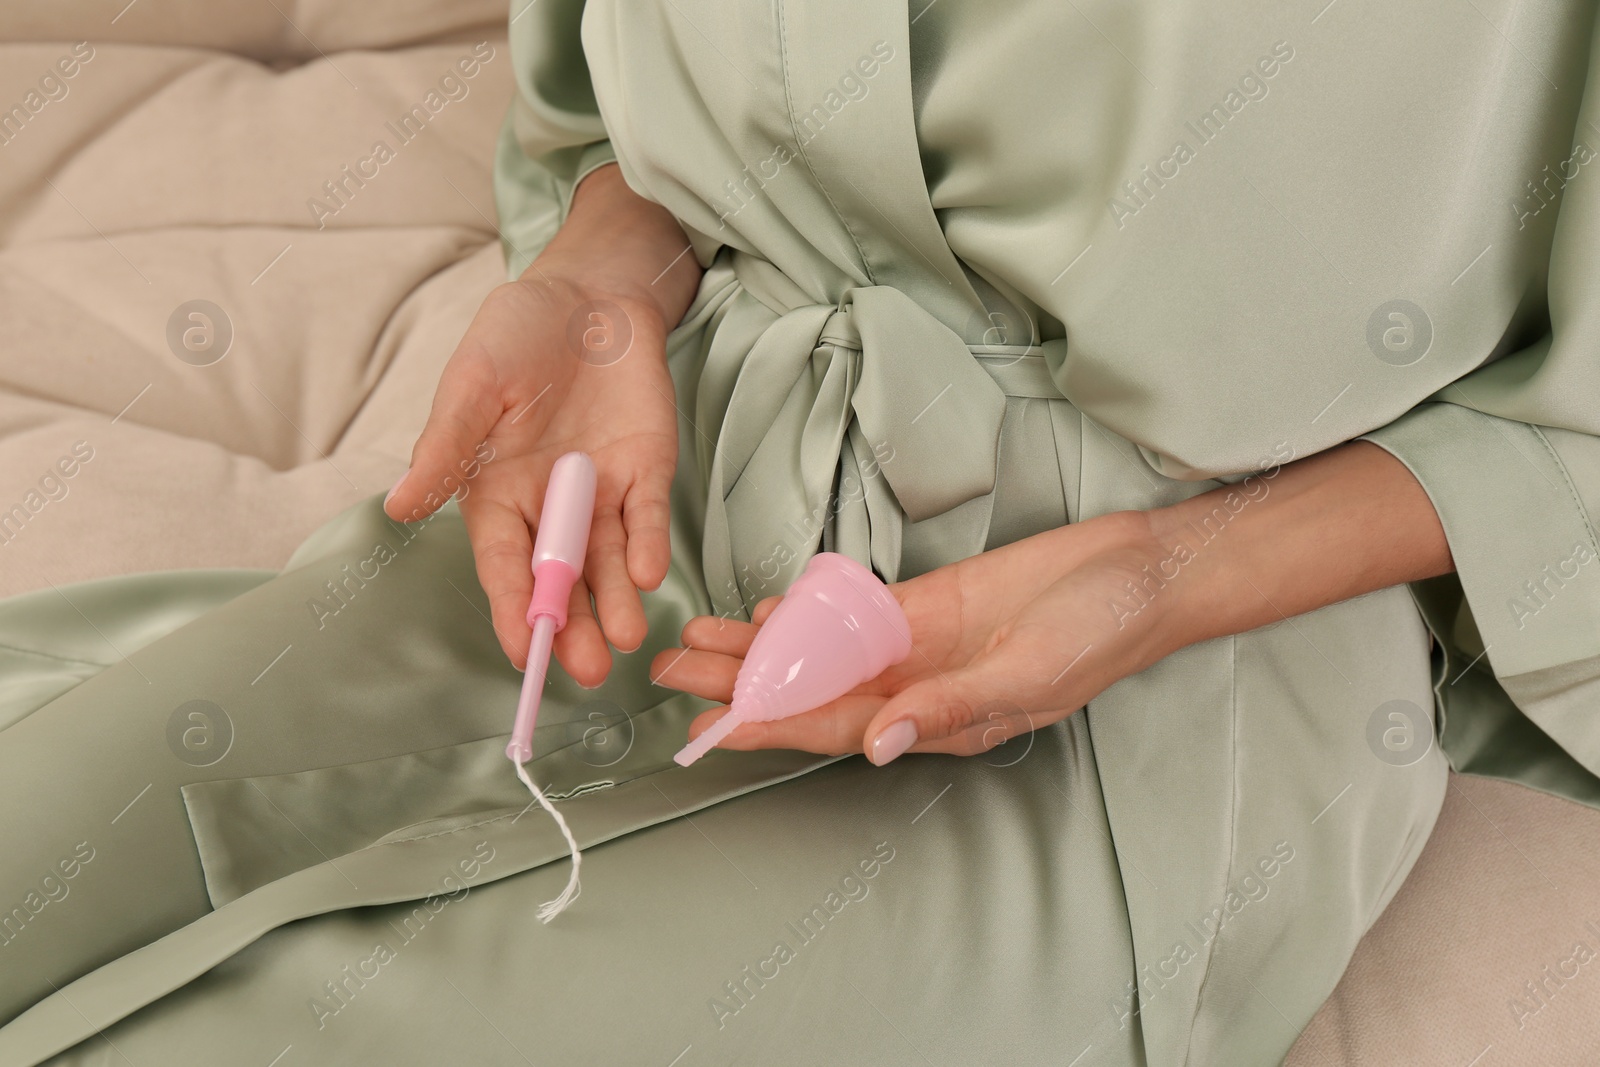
(949,712)
(464,410)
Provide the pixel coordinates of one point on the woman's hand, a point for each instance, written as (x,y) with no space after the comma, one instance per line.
(571,356)
(1004,642)
(1020,637)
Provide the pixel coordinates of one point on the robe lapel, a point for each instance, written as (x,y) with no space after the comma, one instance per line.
(857,133)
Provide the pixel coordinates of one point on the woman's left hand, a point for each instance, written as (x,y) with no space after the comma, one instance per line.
(1023,636)
(1003,642)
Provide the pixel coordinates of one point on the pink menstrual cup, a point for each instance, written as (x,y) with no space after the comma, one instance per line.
(836,627)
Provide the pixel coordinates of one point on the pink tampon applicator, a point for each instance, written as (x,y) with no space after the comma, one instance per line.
(836,627)
(558,552)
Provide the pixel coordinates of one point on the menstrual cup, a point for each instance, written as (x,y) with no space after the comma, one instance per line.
(837,626)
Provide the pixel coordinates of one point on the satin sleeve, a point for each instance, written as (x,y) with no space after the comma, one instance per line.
(553,135)
(1510,456)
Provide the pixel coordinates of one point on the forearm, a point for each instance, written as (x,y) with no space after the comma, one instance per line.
(619,242)
(1324,529)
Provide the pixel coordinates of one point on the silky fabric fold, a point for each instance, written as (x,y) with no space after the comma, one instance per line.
(876,371)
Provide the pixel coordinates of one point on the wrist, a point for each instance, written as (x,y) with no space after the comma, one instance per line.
(1145,602)
(616,244)
(574,292)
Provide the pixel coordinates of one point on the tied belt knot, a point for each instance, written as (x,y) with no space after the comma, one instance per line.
(843,422)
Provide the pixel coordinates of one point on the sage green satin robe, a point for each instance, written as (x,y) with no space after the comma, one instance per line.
(963,285)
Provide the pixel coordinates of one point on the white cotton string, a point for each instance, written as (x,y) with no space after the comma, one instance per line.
(551,908)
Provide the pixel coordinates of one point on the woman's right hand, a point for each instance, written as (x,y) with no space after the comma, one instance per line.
(570,357)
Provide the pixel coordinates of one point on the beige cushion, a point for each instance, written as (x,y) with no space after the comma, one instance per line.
(1508,885)
(169,173)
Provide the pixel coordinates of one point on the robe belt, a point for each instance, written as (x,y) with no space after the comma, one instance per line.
(874,386)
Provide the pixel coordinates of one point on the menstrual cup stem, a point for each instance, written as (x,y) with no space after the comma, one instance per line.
(702,744)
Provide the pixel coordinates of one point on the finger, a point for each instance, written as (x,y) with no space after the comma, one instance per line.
(646,513)
(946,706)
(616,597)
(581,647)
(714,633)
(994,727)
(465,408)
(765,609)
(503,551)
(833,729)
(705,674)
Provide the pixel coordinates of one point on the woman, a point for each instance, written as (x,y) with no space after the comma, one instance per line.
(1151,358)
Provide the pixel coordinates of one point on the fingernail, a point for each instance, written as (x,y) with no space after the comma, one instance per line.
(893,742)
(396,487)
